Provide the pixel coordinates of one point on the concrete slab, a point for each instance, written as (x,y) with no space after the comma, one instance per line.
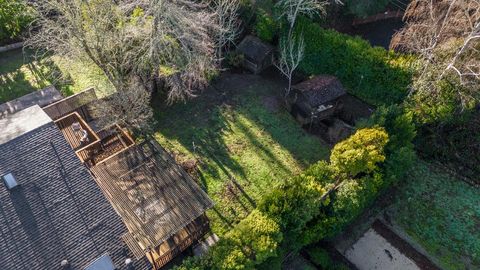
(372,251)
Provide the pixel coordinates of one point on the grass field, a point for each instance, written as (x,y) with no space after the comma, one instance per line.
(443,215)
(21,73)
(237,130)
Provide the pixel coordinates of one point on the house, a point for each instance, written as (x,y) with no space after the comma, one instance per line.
(52,213)
(78,182)
(316,99)
(258,55)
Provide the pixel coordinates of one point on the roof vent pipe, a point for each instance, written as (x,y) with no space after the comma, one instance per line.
(64,264)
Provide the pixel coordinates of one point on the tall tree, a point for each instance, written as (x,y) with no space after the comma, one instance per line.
(446,36)
(292,45)
(136,41)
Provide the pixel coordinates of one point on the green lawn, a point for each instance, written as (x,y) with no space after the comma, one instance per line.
(443,215)
(237,129)
(21,73)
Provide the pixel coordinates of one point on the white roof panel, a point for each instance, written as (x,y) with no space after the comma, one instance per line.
(24,121)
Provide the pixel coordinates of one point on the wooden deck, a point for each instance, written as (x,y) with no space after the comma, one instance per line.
(74,137)
(178,243)
(100,146)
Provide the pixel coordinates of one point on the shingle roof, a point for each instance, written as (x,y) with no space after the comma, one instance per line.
(154,196)
(321,89)
(57,212)
(254,49)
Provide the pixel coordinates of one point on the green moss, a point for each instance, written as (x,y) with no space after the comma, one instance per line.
(443,214)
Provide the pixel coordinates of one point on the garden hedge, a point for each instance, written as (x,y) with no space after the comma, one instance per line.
(373,74)
(297,213)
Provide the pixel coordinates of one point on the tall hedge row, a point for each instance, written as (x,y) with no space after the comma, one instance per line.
(377,76)
(321,201)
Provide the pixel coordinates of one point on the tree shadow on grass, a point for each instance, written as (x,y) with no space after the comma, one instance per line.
(21,73)
(230,131)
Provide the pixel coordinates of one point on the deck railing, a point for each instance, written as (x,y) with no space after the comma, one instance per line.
(97,146)
(74,137)
(200,230)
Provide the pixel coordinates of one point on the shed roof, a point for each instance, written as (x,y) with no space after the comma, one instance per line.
(41,98)
(321,89)
(254,49)
(154,196)
(57,212)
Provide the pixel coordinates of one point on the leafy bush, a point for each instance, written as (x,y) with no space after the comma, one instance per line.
(297,201)
(14,18)
(364,8)
(399,150)
(360,153)
(320,257)
(265,26)
(235,59)
(377,76)
(251,242)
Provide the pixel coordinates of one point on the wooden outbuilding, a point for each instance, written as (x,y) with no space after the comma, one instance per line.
(258,55)
(316,99)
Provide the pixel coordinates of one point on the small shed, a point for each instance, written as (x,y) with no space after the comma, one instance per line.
(258,55)
(316,99)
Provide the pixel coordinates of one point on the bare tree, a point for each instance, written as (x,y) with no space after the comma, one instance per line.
(227,17)
(291,9)
(130,108)
(446,35)
(135,40)
(292,46)
(291,54)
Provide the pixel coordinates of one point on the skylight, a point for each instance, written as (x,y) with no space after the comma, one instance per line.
(10,181)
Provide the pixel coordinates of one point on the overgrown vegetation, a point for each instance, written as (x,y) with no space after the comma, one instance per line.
(15,16)
(455,143)
(373,74)
(321,258)
(265,26)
